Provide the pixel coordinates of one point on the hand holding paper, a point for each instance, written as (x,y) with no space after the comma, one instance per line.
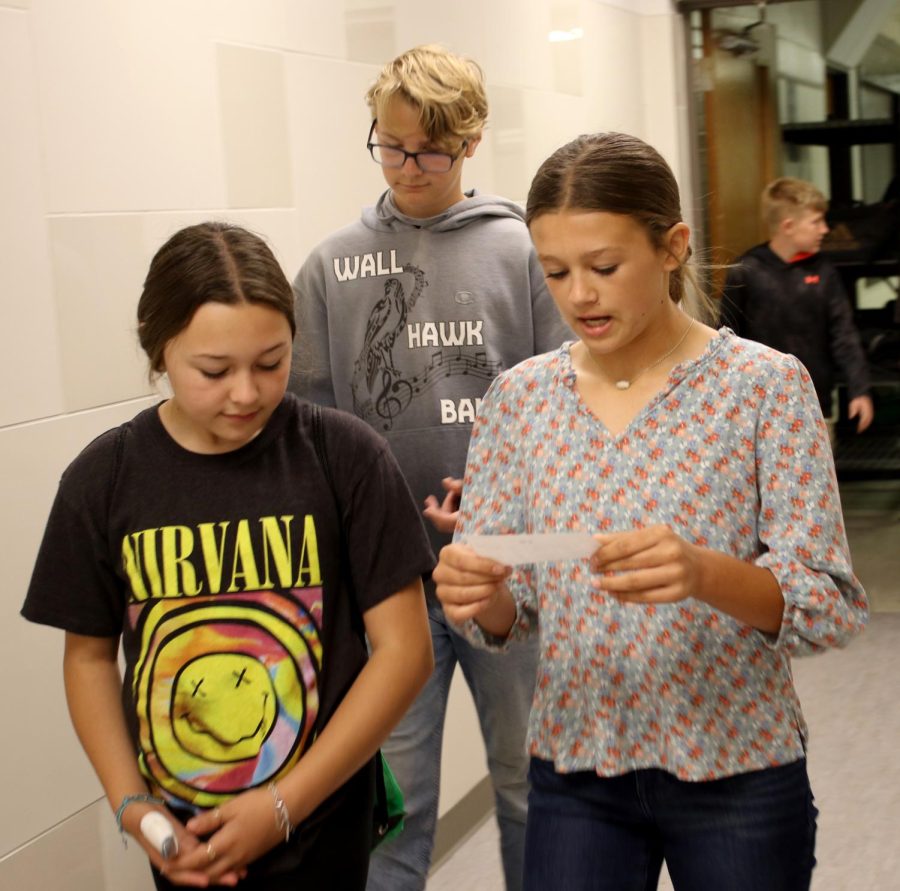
(537,547)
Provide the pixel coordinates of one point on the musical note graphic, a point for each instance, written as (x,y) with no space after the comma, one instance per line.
(446,365)
(381,392)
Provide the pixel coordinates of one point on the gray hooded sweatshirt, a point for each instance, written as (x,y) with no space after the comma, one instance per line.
(405,322)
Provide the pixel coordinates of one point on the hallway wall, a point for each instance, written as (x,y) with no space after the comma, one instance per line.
(125,121)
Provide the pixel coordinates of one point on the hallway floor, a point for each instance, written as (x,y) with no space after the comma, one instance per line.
(850,703)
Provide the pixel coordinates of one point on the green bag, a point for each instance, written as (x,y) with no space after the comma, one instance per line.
(389,805)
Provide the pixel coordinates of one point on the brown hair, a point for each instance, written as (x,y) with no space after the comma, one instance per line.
(208,262)
(787,197)
(447,89)
(613,173)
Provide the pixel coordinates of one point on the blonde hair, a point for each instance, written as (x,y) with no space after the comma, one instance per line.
(789,197)
(447,89)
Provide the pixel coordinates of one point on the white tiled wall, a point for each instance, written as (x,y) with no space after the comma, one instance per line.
(45,778)
(26,295)
(123,122)
(255,133)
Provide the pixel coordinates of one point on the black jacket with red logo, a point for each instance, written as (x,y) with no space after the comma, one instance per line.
(800,308)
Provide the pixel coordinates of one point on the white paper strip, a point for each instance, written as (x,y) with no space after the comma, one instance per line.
(534,548)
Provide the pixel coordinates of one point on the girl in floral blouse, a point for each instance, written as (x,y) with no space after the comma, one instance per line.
(665,724)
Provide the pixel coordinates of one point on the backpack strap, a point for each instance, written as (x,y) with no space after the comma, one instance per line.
(382,822)
(318,434)
(118,451)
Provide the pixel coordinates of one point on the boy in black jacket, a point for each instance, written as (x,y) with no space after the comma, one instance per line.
(787,295)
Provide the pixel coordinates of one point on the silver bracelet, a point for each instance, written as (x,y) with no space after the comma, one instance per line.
(282,815)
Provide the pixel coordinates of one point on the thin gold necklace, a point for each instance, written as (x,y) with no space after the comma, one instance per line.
(625,384)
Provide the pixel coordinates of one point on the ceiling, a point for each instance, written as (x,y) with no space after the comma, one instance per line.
(881,63)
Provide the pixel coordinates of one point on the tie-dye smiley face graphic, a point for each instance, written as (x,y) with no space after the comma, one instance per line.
(224,707)
(226,690)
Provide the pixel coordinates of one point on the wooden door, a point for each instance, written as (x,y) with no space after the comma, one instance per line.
(743,141)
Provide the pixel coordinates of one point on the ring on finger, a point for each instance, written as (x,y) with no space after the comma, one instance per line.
(210,852)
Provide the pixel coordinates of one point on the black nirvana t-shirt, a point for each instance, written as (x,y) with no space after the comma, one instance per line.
(224,575)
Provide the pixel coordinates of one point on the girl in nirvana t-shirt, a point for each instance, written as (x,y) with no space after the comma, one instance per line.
(260,563)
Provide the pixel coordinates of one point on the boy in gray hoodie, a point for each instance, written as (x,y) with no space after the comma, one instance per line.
(404,318)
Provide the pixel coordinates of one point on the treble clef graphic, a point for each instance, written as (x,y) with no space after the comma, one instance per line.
(395,395)
(374,370)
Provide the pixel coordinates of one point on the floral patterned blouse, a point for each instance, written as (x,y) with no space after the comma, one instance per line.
(733,454)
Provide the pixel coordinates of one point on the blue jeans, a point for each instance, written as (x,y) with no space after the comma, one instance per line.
(750,832)
(502,685)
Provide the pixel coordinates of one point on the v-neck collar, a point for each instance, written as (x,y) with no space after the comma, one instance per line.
(676,376)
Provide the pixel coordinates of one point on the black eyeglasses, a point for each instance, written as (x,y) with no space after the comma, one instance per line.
(394,157)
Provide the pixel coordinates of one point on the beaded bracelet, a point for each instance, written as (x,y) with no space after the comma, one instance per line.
(132,799)
(282,815)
